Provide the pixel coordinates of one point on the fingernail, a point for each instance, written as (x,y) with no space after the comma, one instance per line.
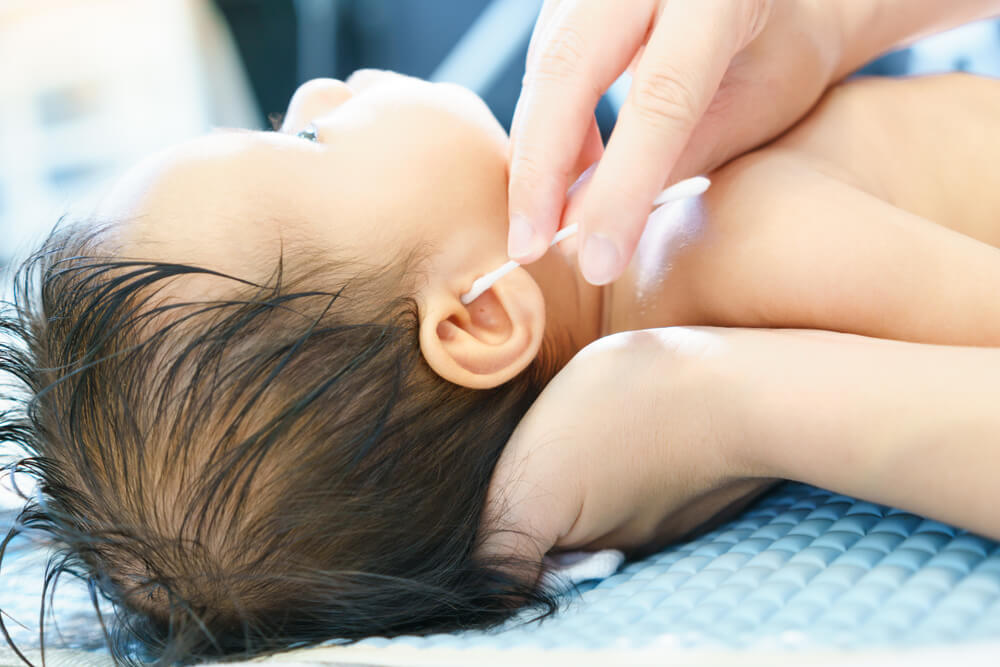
(599,259)
(521,239)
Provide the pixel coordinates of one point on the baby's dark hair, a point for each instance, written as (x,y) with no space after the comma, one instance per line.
(239,475)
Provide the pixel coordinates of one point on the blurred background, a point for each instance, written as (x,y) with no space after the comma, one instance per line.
(88,87)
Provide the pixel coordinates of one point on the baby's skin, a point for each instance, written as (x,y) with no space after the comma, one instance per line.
(867,218)
(870,217)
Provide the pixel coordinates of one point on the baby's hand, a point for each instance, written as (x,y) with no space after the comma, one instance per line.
(624,449)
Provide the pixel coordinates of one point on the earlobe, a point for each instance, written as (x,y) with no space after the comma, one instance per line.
(489,341)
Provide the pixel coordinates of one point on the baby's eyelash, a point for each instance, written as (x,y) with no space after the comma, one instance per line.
(309,133)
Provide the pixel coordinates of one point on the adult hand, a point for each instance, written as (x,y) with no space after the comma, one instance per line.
(712,79)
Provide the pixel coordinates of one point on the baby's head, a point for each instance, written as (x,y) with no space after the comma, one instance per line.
(258,410)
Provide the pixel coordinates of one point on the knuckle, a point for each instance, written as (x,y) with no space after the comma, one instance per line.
(560,56)
(665,99)
(536,162)
(528,174)
(525,168)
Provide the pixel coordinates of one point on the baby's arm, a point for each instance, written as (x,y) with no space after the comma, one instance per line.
(646,435)
(910,425)
(812,233)
(928,145)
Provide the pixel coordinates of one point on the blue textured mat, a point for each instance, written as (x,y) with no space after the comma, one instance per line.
(802,568)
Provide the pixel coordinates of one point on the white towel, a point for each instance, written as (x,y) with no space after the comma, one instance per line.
(564,570)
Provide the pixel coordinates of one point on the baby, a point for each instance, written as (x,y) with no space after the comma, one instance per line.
(261,416)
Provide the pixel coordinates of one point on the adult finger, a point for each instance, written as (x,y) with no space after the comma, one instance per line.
(539,34)
(680,71)
(590,154)
(542,25)
(575,63)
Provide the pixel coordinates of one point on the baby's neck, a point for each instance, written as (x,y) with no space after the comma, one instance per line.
(578,313)
(574,309)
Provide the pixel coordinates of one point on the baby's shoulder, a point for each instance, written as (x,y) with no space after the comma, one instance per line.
(867,115)
(875,132)
(866,102)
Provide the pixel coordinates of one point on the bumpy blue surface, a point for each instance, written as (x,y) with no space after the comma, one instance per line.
(803,568)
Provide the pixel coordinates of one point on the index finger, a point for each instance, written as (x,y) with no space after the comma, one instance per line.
(680,71)
(574,63)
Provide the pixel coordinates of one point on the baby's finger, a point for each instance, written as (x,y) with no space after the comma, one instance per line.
(574,64)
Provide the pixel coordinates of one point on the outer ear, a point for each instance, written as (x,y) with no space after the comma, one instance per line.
(491,340)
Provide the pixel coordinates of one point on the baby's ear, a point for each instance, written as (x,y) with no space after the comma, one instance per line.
(489,341)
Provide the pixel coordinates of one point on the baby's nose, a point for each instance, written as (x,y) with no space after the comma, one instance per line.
(363,79)
(313,99)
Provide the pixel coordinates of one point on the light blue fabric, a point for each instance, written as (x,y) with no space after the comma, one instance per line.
(972,48)
(803,568)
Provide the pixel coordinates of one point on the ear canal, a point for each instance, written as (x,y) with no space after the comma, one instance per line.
(482,338)
(489,341)
(485,319)
(488,319)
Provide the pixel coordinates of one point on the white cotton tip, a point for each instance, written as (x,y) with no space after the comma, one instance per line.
(480,285)
(691,187)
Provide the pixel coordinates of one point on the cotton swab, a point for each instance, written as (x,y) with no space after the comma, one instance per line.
(691,187)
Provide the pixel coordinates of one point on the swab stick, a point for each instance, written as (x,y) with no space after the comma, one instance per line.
(691,187)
